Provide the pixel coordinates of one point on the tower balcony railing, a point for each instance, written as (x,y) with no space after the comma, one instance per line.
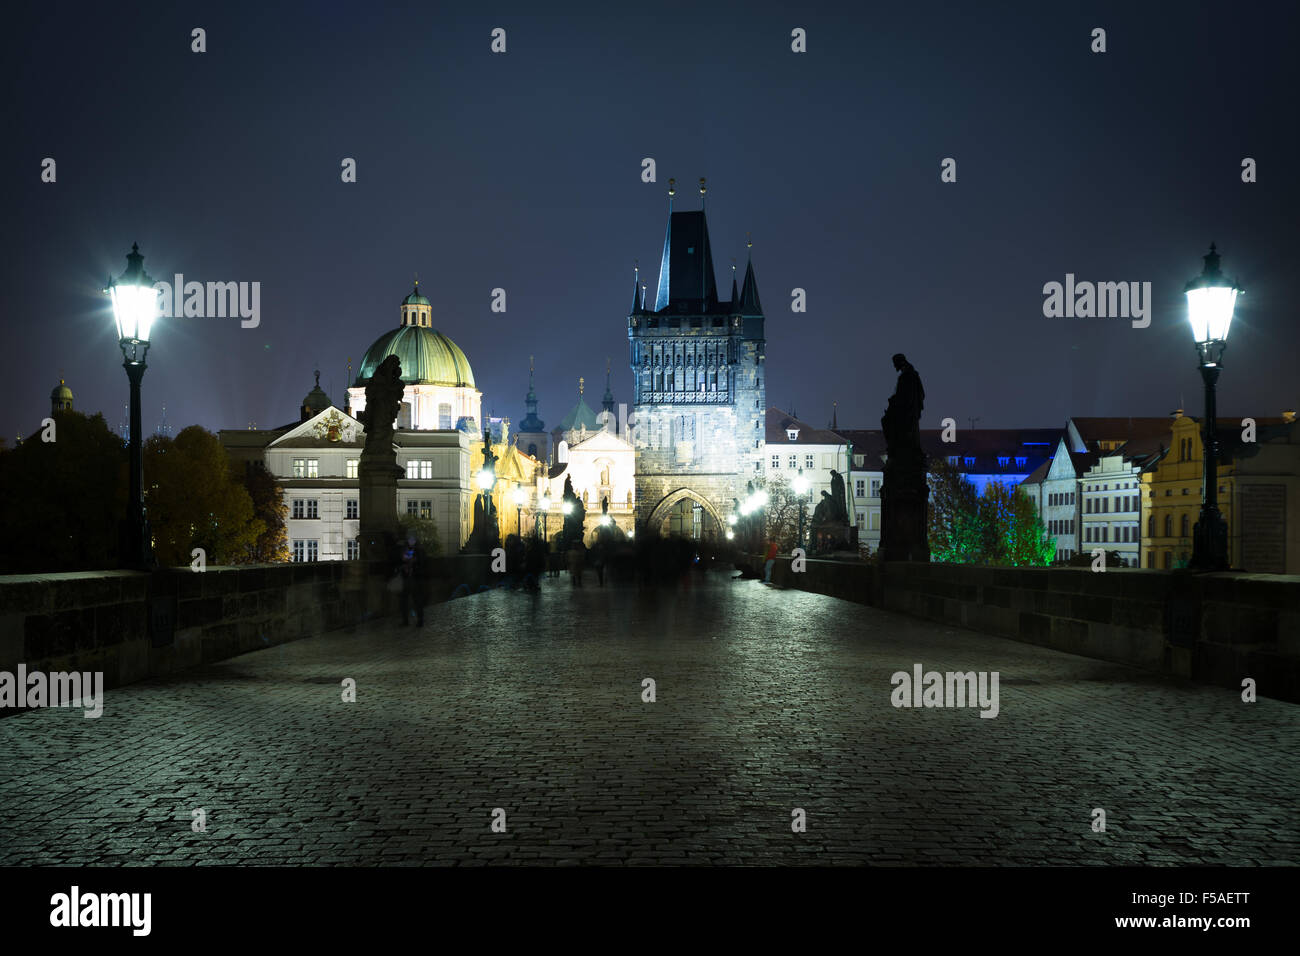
(686,398)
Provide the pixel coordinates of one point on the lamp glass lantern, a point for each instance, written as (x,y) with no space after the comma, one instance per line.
(1211,300)
(486,480)
(135,302)
(520,496)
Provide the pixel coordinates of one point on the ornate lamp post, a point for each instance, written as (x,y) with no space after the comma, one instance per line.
(800,486)
(1211,297)
(519,496)
(135,306)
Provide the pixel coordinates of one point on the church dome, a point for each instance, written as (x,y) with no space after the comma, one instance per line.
(415,298)
(428,357)
(61,392)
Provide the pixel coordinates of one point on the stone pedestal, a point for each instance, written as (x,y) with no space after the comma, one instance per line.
(378,529)
(904,510)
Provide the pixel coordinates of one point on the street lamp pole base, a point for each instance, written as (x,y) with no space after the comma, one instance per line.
(1210,542)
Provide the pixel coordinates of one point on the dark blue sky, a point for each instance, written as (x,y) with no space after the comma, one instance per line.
(522,171)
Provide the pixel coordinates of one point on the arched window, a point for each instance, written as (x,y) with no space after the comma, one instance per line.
(1182,526)
(1151,526)
(1169,526)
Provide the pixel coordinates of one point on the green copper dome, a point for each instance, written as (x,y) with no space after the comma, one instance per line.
(428,357)
(415,298)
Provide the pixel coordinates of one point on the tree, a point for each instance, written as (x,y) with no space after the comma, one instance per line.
(1013,531)
(62,503)
(192,501)
(425,531)
(1000,527)
(269,507)
(955,533)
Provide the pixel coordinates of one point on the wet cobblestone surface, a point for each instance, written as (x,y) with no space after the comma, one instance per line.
(767,701)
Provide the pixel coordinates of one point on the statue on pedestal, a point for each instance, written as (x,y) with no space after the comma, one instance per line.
(377,471)
(904,495)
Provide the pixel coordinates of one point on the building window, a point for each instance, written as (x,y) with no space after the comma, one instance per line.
(354,549)
(1004,460)
(1169,560)
(792,434)
(304,508)
(352,511)
(1169,526)
(794,462)
(776,461)
(952,460)
(300,467)
(313,467)
(412,507)
(351,471)
(808,462)
(1182,526)
(419,469)
(1151,559)
(305,550)
(875,487)
(1021,462)
(860,488)
(1151,526)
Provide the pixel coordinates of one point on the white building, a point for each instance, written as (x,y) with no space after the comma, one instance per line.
(794,448)
(602,465)
(316,459)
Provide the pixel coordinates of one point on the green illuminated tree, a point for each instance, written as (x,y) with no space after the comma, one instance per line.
(955,532)
(1013,532)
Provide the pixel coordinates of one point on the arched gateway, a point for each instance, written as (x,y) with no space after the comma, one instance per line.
(687,513)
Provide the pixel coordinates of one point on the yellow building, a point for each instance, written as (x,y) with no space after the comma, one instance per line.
(1172,494)
(513,470)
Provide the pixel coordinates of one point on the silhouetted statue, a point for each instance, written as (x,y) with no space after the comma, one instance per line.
(904,495)
(383,398)
(377,470)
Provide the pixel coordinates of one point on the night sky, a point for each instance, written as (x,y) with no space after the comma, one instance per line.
(523,171)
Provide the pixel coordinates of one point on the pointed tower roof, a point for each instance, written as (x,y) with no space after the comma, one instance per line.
(749,304)
(607,401)
(581,415)
(686,277)
(637,296)
(531,422)
(735,298)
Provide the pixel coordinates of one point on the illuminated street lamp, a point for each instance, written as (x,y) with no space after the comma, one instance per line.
(135,307)
(1211,298)
(519,496)
(800,486)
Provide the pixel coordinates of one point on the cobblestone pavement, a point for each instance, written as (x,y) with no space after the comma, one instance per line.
(767,700)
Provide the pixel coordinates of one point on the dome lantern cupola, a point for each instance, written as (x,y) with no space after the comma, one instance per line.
(416,310)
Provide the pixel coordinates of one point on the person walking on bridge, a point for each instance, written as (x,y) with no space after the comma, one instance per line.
(769,562)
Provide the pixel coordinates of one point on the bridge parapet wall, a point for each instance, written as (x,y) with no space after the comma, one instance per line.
(133,625)
(1217,628)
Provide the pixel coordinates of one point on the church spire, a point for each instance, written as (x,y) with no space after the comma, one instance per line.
(749,304)
(636,287)
(531,422)
(735,299)
(607,402)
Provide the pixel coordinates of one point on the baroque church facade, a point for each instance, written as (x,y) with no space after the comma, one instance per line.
(699,386)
